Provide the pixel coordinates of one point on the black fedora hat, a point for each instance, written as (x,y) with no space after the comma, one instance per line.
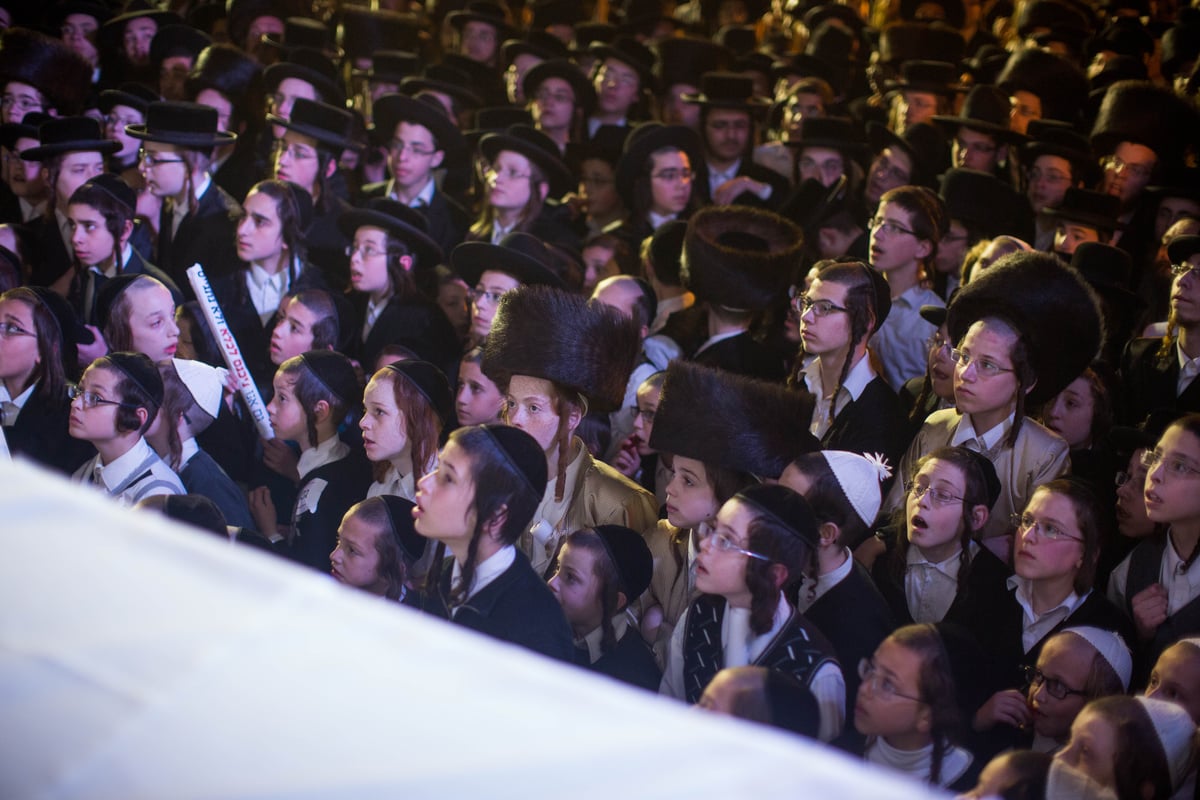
(329,125)
(933,77)
(540,44)
(922,143)
(392,109)
(300,32)
(133,95)
(538,148)
(177,40)
(444,80)
(520,255)
(27,128)
(1182,248)
(391,66)
(954,13)
(182,124)
(561,68)
(485,11)
(399,220)
(606,145)
(363,32)
(631,52)
(986,110)
(979,199)
(685,59)
(727,90)
(1184,183)
(496,119)
(1107,269)
(112,31)
(1050,138)
(311,66)
(1093,209)
(836,133)
(69,135)
(644,140)
(589,33)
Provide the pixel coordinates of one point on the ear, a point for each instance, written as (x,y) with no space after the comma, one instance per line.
(828,534)
(924,719)
(643,332)
(320,412)
(142,415)
(575,418)
(331,168)
(406,263)
(622,601)
(924,248)
(543,189)
(979,517)
(126,232)
(436,161)
(779,575)
(495,525)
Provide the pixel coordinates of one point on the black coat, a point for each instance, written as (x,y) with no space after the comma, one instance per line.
(315,532)
(448,220)
(517,607)
(873,423)
(202,475)
(51,257)
(416,323)
(631,661)
(1148,382)
(743,355)
(779,185)
(40,434)
(327,244)
(206,236)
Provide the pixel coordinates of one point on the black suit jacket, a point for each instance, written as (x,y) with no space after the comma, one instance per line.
(516,607)
(206,236)
(40,433)
(417,323)
(85,289)
(873,423)
(779,185)
(1148,382)
(327,244)
(51,258)
(448,221)
(743,355)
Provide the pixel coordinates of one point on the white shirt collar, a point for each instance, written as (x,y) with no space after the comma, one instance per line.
(187,450)
(856,381)
(668,307)
(716,177)
(595,639)
(487,570)
(29,211)
(594,125)
(741,645)
(328,451)
(123,466)
(20,400)
(1189,368)
(657,220)
(966,432)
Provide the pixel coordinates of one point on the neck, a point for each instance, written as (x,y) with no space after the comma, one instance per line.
(608,117)
(560,136)
(939,553)
(1188,343)
(984,421)
(741,599)
(1048,593)
(274,264)
(901,279)
(831,557)
(1184,535)
(717,325)
(406,194)
(403,463)
(664,292)
(722,164)
(831,365)
(581,630)
(18,383)
(380,295)
(116,447)
(909,742)
(508,216)
(325,432)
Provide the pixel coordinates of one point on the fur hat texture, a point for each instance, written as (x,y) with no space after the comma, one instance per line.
(739,257)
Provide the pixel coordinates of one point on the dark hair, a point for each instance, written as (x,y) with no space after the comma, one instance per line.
(975,493)
(177,401)
(131,396)
(51,370)
(310,390)
(499,488)
(609,580)
(1139,758)
(326,330)
(393,566)
(117,332)
(781,545)
(288,210)
(564,401)
(829,503)
(927,213)
(1030,770)
(422,425)
(116,214)
(532,209)
(860,308)
(936,688)
(203,341)
(643,194)
(619,249)
(1093,522)
(404,285)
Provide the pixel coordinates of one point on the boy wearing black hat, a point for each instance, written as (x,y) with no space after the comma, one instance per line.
(622,76)
(231,82)
(1083,216)
(123,106)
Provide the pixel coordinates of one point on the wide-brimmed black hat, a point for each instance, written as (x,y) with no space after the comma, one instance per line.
(906,41)
(91,8)
(494,14)
(391,66)
(430,382)
(182,124)
(363,32)
(69,135)
(986,110)
(835,133)
(1147,114)
(112,31)
(606,145)
(329,125)
(632,53)
(1107,269)
(538,43)
(646,139)
(933,77)
(727,90)
(630,556)
(392,109)
(311,66)
(444,80)
(589,33)
(1093,209)
(739,257)
(1054,15)
(731,421)
(806,65)
(520,255)
(685,59)
(133,95)
(980,200)
(1049,303)
(924,145)
(27,128)
(1181,248)
(535,146)
(1061,86)
(1051,138)
(496,119)
(398,220)
(1184,183)
(227,70)
(177,40)
(585,93)
(954,13)
(300,32)
(589,348)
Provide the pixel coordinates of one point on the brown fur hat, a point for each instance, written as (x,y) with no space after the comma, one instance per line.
(739,257)
(547,333)
(47,65)
(732,421)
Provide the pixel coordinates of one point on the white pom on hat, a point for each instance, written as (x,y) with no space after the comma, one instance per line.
(1111,647)
(860,477)
(1176,733)
(205,383)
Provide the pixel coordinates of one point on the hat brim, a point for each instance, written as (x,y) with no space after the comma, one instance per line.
(471,259)
(429,253)
(277,73)
(637,150)
(603,51)
(323,136)
(752,104)
(402,108)
(946,90)
(558,176)
(111,98)
(458,19)
(1002,132)
(411,86)
(585,93)
(181,138)
(1084,218)
(42,152)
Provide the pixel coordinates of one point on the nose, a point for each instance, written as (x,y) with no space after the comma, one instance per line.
(425,482)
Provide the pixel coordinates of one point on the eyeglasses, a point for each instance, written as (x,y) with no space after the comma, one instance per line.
(508,174)
(91,399)
(881,684)
(297,152)
(983,367)
(889,227)
(482,294)
(121,122)
(1122,478)
(554,97)
(365,250)
(672,175)
(722,543)
(936,342)
(884,166)
(1045,530)
(1175,467)
(939,497)
(1179,270)
(820,308)
(606,75)
(1054,687)
(150,161)
(10,329)
(1139,171)
(1052,177)
(646,414)
(22,104)
(398,148)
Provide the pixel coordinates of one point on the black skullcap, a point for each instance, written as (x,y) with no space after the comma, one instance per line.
(304,204)
(631,557)
(793,705)
(117,189)
(666,248)
(141,370)
(72,331)
(430,382)
(785,507)
(988,470)
(336,374)
(196,510)
(403,526)
(107,296)
(524,454)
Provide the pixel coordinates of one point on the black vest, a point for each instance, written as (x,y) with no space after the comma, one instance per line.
(1145,566)
(798,648)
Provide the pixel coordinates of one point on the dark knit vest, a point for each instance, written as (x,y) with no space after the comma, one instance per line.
(1145,566)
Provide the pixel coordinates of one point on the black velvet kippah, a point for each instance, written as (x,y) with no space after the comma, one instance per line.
(430,382)
(990,479)
(403,526)
(141,370)
(785,507)
(336,374)
(631,557)
(524,453)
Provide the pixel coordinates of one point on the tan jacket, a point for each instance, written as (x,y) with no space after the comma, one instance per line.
(671,588)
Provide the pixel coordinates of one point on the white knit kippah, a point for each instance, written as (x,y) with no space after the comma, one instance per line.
(1111,647)
(205,383)
(860,477)
(1176,732)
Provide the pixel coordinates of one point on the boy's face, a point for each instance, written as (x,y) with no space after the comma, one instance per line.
(76,170)
(91,240)
(975,150)
(98,424)
(1069,235)
(293,333)
(893,244)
